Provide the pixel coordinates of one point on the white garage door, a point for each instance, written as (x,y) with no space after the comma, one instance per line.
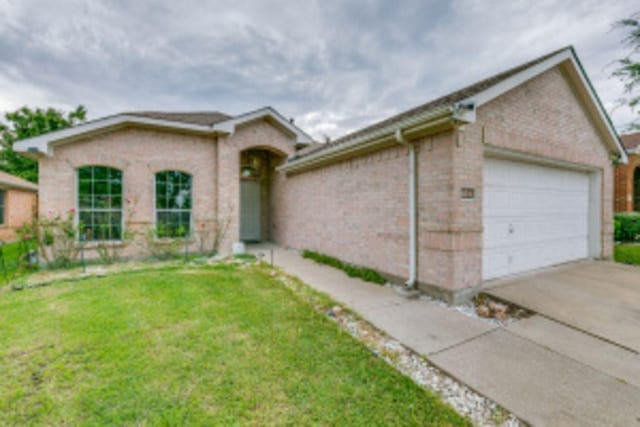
(534,216)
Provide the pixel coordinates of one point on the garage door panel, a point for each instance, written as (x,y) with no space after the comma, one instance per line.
(497,234)
(533,216)
(498,198)
(497,260)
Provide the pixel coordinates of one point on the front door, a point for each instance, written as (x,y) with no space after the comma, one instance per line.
(250,212)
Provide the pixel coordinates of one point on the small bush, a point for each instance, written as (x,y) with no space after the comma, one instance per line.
(627,227)
(364,273)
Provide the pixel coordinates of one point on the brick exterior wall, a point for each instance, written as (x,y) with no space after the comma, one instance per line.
(356,209)
(254,135)
(139,154)
(624,184)
(20,206)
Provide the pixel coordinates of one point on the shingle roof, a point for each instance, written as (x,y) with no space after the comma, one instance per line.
(443,101)
(8,180)
(203,118)
(631,141)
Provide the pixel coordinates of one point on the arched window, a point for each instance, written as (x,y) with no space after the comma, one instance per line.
(173,204)
(100,202)
(636,189)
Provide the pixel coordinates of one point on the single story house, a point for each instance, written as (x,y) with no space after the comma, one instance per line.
(510,174)
(18,204)
(627,176)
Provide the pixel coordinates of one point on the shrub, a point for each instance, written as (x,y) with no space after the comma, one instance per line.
(627,227)
(209,235)
(158,247)
(364,273)
(56,237)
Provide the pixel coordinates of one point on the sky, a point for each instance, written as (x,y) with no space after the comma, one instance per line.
(334,66)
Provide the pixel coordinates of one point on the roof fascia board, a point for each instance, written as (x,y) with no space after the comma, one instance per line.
(229,126)
(410,127)
(518,79)
(21,187)
(42,143)
(593,96)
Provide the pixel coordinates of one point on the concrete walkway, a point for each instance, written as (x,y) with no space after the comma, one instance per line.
(542,371)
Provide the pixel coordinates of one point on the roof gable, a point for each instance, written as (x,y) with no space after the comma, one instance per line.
(461,105)
(452,98)
(12,181)
(229,126)
(199,122)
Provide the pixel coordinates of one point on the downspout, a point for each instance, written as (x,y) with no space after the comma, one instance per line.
(413,220)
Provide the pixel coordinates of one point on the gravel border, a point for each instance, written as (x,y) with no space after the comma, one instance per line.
(479,409)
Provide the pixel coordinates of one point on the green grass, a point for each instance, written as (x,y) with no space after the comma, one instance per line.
(223,345)
(11,254)
(363,273)
(627,253)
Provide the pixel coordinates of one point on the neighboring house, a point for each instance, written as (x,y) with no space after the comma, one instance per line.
(510,174)
(18,204)
(627,187)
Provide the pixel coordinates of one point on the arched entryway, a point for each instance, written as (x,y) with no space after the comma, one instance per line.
(257,172)
(636,189)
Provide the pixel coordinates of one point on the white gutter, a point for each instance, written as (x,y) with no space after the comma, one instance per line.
(429,119)
(397,132)
(413,213)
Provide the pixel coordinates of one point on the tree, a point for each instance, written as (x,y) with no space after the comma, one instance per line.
(26,123)
(628,68)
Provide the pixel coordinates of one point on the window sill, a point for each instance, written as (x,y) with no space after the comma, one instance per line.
(170,240)
(95,243)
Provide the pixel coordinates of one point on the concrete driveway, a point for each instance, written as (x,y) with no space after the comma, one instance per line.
(599,298)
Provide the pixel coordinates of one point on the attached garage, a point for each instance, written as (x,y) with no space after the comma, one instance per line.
(535,216)
(508,175)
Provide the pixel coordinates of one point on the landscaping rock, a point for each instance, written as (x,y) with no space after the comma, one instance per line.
(498,310)
(481,411)
(483,311)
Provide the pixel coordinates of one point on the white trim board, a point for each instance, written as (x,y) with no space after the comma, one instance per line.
(43,144)
(229,126)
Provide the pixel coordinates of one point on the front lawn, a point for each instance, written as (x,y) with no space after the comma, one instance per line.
(199,346)
(627,253)
(11,253)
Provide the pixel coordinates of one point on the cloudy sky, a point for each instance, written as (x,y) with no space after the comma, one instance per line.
(333,65)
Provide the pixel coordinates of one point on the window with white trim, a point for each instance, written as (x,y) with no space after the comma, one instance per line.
(100,202)
(173,204)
